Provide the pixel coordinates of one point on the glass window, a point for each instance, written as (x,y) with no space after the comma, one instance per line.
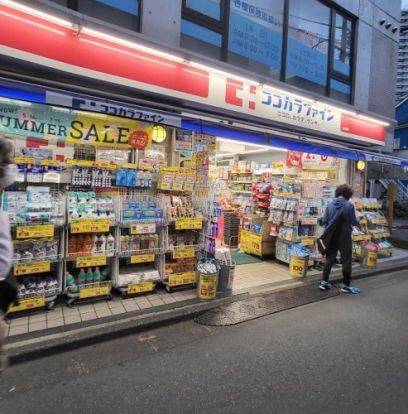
(308,45)
(210,8)
(124,13)
(343,38)
(198,38)
(255,35)
(340,91)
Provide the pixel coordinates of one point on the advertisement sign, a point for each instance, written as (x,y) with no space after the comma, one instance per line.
(70,126)
(251,243)
(92,56)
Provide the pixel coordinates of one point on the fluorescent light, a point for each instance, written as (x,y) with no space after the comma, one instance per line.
(221,72)
(377,121)
(132,45)
(36,13)
(264,147)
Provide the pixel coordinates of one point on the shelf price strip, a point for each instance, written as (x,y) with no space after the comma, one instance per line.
(33,232)
(178,279)
(146,286)
(184,253)
(29,303)
(90,226)
(142,258)
(189,223)
(22,269)
(93,291)
(91,261)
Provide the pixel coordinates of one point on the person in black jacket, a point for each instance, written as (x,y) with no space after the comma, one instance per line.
(340,211)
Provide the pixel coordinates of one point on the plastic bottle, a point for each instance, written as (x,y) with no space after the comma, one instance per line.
(110,245)
(95,243)
(89,276)
(96,275)
(81,277)
(72,244)
(87,244)
(102,246)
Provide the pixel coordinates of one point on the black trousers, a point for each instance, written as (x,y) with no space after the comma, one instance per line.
(340,243)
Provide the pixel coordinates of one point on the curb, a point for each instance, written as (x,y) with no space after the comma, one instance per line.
(57,341)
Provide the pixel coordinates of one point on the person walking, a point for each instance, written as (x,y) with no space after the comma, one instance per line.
(339,219)
(7,291)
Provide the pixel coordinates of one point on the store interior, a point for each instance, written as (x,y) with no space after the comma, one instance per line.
(93,221)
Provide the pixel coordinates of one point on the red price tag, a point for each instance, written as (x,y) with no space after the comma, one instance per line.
(138,139)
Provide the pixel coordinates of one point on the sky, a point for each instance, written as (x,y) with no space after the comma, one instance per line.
(404,4)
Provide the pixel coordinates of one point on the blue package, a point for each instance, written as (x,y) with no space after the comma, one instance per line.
(130,178)
(121,177)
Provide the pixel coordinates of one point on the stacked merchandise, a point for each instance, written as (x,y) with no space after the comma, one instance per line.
(240,185)
(89,205)
(231,229)
(261,197)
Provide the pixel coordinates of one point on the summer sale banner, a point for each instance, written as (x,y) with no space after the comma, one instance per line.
(67,126)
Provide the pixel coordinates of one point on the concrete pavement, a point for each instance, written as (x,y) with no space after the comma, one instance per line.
(344,355)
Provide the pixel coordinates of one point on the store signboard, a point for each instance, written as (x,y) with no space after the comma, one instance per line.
(94,55)
(70,126)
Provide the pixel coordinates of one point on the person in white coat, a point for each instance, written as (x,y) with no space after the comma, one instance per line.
(7,176)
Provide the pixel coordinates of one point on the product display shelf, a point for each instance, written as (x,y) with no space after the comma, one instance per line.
(37,215)
(141,236)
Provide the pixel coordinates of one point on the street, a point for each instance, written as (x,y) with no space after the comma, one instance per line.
(347,354)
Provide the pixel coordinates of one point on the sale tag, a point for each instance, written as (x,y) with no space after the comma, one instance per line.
(24,160)
(91,261)
(142,258)
(183,252)
(251,243)
(34,232)
(29,303)
(178,279)
(90,226)
(189,223)
(93,291)
(143,228)
(22,269)
(140,287)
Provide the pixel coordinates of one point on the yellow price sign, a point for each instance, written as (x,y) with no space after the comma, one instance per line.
(24,160)
(34,232)
(128,166)
(51,163)
(307,242)
(251,243)
(105,165)
(29,303)
(93,291)
(80,163)
(22,269)
(146,286)
(142,258)
(189,223)
(90,226)
(178,279)
(184,253)
(91,261)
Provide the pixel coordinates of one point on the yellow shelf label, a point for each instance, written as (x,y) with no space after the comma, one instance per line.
(54,163)
(142,258)
(183,252)
(91,261)
(93,291)
(251,243)
(178,279)
(80,163)
(24,160)
(33,232)
(140,287)
(90,226)
(29,303)
(128,166)
(105,165)
(307,242)
(138,228)
(189,223)
(22,269)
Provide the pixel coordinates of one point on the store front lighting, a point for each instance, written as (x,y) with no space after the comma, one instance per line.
(158,134)
(361,165)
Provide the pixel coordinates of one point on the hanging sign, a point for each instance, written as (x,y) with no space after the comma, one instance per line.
(142,258)
(33,232)
(178,279)
(189,223)
(183,252)
(93,291)
(22,269)
(90,226)
(29,303)
(91,261)
(146,286)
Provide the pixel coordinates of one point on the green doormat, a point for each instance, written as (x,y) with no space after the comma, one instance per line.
(241,258)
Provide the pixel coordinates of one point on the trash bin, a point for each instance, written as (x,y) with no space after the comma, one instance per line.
(298,266)
(226,278)
(369,255)
(207,285)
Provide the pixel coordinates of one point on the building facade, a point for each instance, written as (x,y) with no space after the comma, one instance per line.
(402,77)
(341,54)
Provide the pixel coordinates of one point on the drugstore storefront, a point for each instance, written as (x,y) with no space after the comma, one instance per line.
(112,194)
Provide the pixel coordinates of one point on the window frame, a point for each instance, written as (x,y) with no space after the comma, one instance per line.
(222,27)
